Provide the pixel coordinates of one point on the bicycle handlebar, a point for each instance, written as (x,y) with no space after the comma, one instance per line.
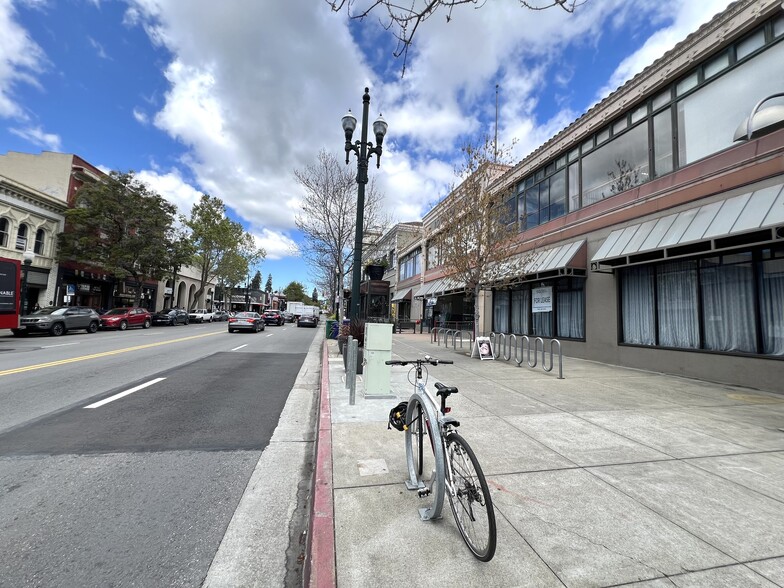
(419,361)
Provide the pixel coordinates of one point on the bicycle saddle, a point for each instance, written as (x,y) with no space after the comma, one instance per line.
(444,390)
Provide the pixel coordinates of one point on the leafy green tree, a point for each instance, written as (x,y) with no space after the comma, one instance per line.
(214,236)
(123,227)
(295,292)
(268,286)
(232,270)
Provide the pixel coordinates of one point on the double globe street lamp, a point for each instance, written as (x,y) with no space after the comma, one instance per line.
(363,150)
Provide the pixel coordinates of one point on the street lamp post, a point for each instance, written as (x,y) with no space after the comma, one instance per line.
(363,151)
(27,260)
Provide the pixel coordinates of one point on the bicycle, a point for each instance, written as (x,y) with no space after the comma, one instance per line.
(454,469)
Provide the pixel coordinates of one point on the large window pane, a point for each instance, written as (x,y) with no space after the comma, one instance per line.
(637,297)
(501,311)
(574,186)
(570,298)
(617,166)
(728,303)
(544,202)
(662,143)
(558,195)
(771,292)
(708,118)
(519,311)
(677,303)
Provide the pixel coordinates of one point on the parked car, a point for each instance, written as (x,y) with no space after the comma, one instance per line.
(220,315)
(246,321)
(57,320)
(200,315)
(123,318)
(307,320)
(288,316)
(170,316)
(273,317)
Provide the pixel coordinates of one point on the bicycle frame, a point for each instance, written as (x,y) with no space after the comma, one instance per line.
(431,413)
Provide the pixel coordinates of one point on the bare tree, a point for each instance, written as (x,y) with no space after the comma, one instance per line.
(476,227)
(328,218)
(403,21)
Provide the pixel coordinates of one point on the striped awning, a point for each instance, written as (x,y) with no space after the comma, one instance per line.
(404,294)
(741,220)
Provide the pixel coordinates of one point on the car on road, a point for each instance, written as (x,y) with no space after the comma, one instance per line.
(307,320)
(288,316)
(124,318)
(273,317)
(200,315)
(246,321)
(57,320)
(220,315)
(170,316)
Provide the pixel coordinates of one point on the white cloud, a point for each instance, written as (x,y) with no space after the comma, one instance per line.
(38,137)
(277,245)
(99,49)
(21,59)
(140,116)
(172,187)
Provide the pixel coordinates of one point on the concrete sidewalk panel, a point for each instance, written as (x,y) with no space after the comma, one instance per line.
(590,534)
(499,399)
(353,443)
(761,472)
(730,576)
(772,569)
(663,431)
(382,542)
(502,448)
(582,442)
(736,520)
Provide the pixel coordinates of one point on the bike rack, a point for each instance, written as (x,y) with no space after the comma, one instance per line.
(524,351)
(434,510)
(560,358)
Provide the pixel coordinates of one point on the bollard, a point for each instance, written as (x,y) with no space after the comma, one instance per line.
(352,370)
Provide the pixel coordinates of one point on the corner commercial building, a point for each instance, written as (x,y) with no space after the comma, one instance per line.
(655,239)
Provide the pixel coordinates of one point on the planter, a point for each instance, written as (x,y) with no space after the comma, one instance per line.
(375,272)
(360,357)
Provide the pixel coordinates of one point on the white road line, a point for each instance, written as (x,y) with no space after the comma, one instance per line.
(59,345)
(121,394)
(270,335)
(240,347)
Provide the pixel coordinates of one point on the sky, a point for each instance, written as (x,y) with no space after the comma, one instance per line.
(229,98)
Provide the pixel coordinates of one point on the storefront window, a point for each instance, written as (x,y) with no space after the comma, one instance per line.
(771,287)
(728,303)
(570,298)
(501,311)
(637,298)
(676,285)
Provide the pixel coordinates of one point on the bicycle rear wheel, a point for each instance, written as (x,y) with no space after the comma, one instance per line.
(471,505)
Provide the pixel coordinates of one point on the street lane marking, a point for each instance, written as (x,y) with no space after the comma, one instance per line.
(121,394)
(270,335)
(39,366)
(60,345)
(240,347)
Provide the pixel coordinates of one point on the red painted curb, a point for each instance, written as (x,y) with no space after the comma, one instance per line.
(320,569)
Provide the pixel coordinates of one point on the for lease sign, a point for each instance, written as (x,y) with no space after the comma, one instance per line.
(542,300)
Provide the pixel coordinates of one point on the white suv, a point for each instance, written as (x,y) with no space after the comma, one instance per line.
(200,315)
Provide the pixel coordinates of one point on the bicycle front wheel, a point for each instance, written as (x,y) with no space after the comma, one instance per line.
(471,503)
(425,456)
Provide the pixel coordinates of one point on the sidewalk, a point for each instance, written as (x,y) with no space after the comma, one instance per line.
(608,477)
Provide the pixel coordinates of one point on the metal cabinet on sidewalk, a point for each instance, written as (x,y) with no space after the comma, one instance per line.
(378,349)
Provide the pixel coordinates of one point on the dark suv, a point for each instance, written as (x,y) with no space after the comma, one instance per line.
(58,320)
(273,317)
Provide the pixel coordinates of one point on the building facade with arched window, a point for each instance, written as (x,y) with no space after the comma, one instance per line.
(30,221)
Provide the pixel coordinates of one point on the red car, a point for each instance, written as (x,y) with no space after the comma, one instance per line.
(122,318)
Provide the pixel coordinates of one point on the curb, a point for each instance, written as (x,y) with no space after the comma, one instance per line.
(320,564)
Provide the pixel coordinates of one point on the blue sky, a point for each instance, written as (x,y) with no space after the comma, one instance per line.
(229,98)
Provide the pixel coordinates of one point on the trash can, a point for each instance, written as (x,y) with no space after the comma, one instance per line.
(332,331)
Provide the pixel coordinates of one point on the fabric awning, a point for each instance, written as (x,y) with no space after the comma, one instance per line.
(404,294)
(420,293)
(741,220)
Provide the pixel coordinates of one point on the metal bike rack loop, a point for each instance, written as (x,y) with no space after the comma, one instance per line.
(553,342)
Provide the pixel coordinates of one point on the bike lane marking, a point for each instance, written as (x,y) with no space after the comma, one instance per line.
(125,393)
(39,366)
